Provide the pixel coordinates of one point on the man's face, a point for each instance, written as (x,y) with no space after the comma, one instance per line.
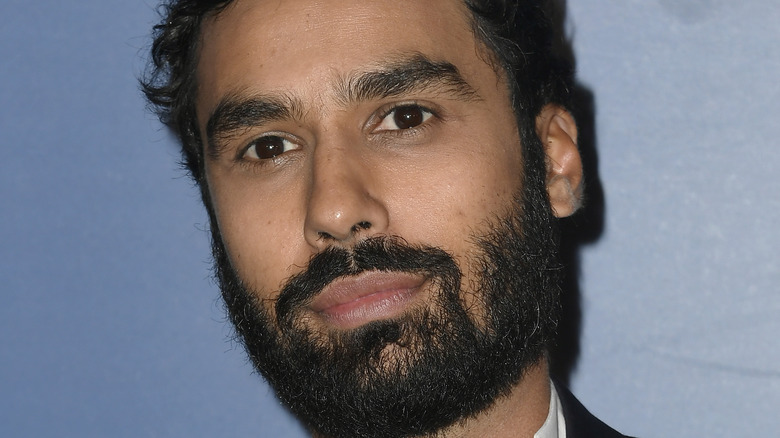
(347,162)
(372,139)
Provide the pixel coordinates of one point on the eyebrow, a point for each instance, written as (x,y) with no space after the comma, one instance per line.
(417,73)
(238,112)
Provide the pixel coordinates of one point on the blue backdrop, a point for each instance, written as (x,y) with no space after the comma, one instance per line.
(111,326)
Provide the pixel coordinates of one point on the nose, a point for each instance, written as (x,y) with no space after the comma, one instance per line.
(344,205)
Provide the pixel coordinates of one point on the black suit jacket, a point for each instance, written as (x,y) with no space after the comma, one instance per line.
(579,422)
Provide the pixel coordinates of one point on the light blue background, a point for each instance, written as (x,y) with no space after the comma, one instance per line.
(111,326)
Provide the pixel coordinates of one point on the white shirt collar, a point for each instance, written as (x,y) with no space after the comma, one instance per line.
(555,425)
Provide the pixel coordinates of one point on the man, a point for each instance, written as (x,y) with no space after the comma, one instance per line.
(382,180)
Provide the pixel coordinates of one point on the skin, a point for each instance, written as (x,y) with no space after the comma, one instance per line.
(346,165)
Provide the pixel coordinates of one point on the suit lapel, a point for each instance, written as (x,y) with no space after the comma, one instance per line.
(579,422)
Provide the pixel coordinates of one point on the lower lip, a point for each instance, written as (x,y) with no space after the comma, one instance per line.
(380,305)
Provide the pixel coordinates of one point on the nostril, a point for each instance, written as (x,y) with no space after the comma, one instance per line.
(325,236)
(364,225)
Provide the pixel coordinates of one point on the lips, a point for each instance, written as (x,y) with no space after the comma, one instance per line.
(349,302)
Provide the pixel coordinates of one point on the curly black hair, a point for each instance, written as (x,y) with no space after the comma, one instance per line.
(519,36)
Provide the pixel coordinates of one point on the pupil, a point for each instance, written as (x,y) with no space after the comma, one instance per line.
(269,147)
(408,117)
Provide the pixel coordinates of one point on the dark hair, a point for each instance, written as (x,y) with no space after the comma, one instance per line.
(518,35)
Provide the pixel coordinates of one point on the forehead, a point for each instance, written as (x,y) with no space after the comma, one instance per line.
(286,45)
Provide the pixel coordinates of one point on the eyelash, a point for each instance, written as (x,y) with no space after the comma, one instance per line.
(255,163)
(382,115)
(434,114)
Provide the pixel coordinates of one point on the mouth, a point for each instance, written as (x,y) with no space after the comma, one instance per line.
(350,302)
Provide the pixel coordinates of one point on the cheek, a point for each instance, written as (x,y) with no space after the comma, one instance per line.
(456,205)
(258,232)
(458,198)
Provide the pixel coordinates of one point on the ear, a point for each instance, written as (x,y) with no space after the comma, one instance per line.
(558,131)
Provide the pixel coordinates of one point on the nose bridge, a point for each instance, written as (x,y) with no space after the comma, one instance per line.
(343,204)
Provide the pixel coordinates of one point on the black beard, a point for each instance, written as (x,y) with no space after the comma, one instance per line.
(426,369)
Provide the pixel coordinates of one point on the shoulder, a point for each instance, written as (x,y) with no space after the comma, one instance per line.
(579,422)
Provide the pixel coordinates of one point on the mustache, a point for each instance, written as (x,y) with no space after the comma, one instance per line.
(382,253)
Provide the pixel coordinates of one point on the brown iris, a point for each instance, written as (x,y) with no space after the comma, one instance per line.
(409,116)
(268,147)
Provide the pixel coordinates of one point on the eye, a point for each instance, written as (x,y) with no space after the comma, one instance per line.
(269,146)
(404,117)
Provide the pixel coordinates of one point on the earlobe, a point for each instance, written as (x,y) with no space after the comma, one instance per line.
(558,131)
